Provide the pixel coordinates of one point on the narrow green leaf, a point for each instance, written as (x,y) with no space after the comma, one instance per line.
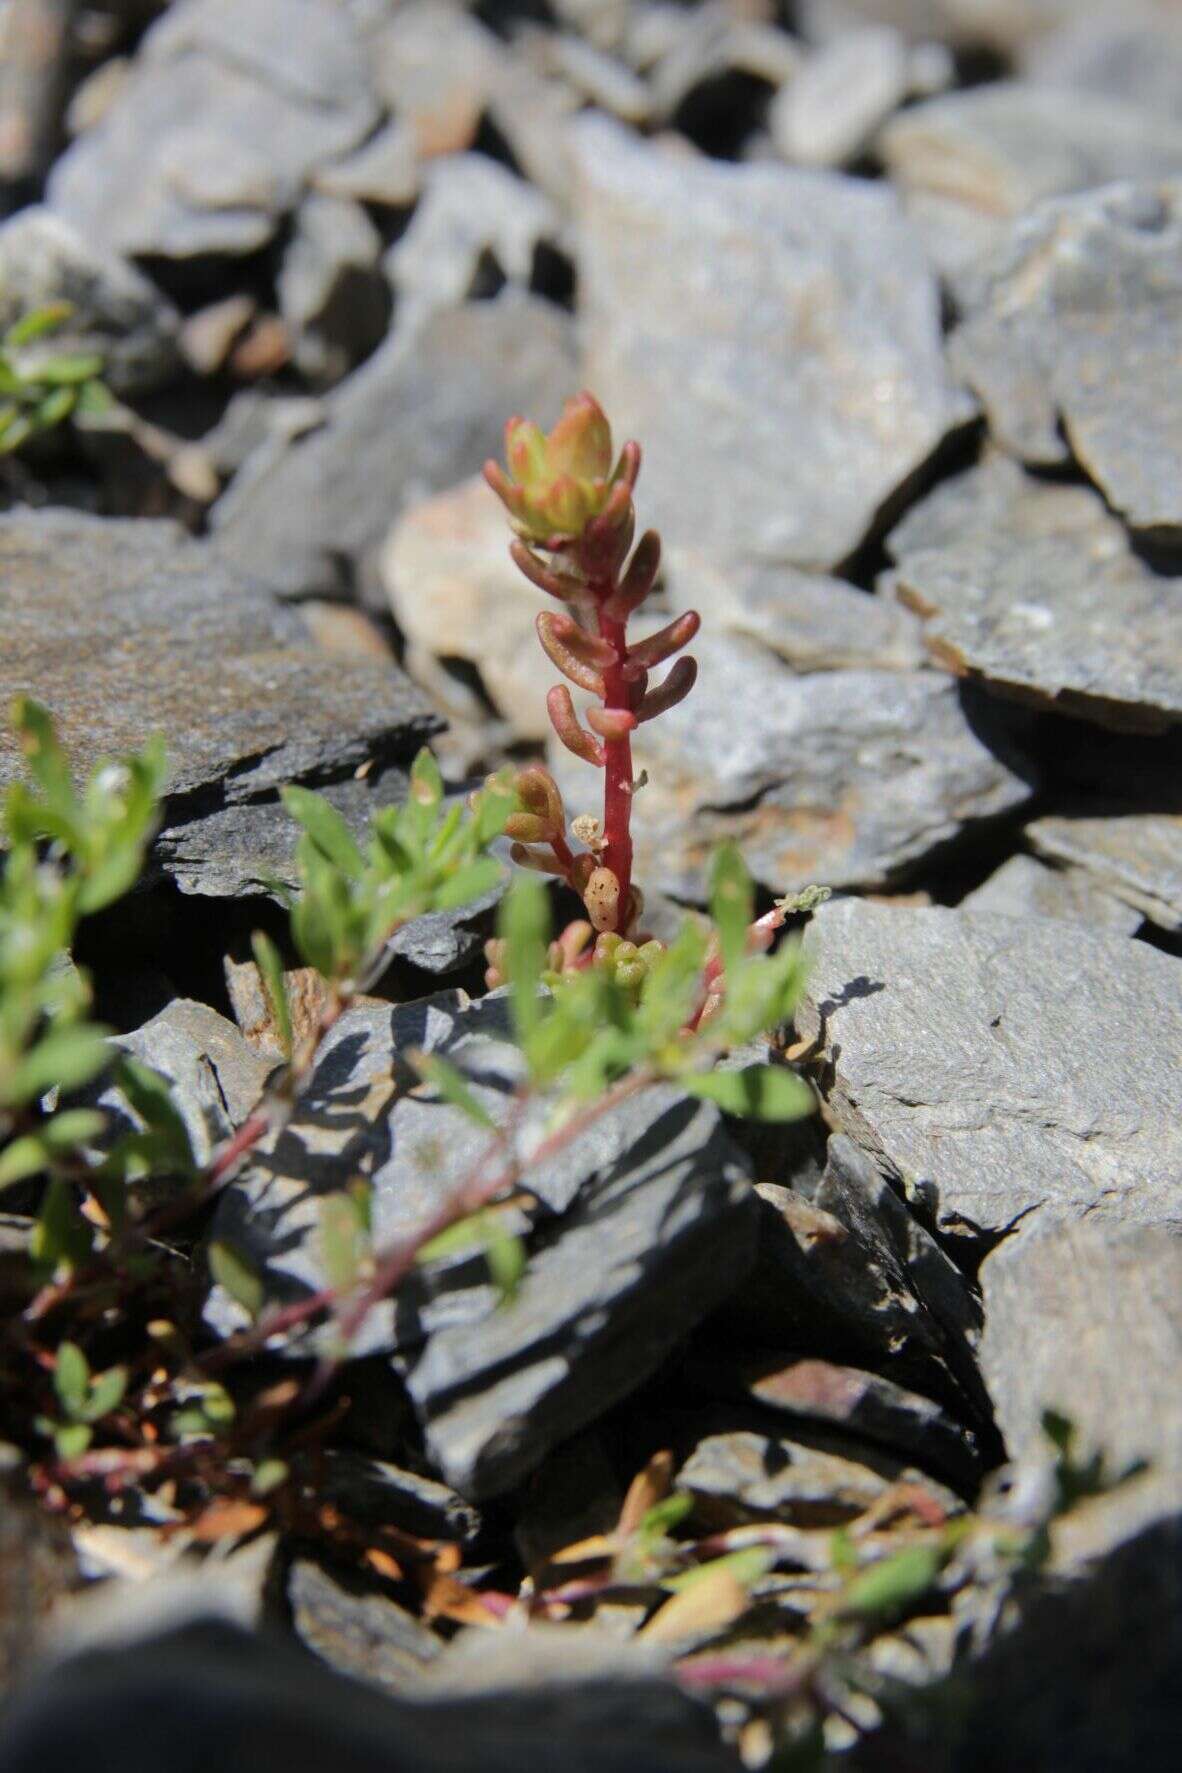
(57,405)
(69,372)
(37,324)
(472,881)
(72,1439)
(71,1378)
(270,967)
(61,1236)
(340,1240)
(65,1057)
(62,1135)
(663,1516)
(106,1393)
(746,1566)
(327,829)
(524,926)
(758,1092)
(237,1273)
(150,1095)
(426,781)
(94,399)
(732,899)
(505,1254)
(894,1584)
(452,1086)
(268,1475)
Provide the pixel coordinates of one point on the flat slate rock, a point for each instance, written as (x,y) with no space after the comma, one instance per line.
(822,1394)
(474,217)
(807,1481)
(999,148)
(852,1274)
(247,849)
(845,778)
(230,106)
(1072,338)
(357,1631)
(643,1222)
(1086,1319)
(1033,587)
(1026,887)
(129,628)
(426,409)
(216,1076)
(998,1069)
(660,1233)
(1134,857)
(807,296)
(813,621)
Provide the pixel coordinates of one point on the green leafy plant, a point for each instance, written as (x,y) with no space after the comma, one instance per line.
(70,853)
(41,389)
(84,1398)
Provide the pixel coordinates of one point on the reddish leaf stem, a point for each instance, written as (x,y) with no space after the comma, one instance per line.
(617,787)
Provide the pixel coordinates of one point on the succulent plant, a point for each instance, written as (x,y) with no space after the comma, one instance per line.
(575,522)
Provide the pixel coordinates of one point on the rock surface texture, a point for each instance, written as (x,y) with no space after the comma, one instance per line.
(999,1075)
(1035,588)
(728,307)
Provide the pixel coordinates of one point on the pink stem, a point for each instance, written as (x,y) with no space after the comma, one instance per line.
(617,787)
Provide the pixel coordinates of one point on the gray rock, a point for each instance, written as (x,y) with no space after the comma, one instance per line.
(826,114)
(383,171)
(998,1069)
(658,1238)
(357,1632)
(852,1274)
(435,67)
(474,217)
(1072,337)
(442,942)
(247,849)
(425,410)
(331,289)
(860,1405)
(230,106)
(116,311)
(998,149)
(213,1695)
(1135,857)
(1086,1319)
(600,78)
(216,1077)
(365,1115)
(1024,887)
(845,778)
(1033,587)
(800,290)
(813,1481)
(814,622)
(1134,54)
(165,637)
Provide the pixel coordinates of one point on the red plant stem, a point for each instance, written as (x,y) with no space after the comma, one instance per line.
(617,787)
